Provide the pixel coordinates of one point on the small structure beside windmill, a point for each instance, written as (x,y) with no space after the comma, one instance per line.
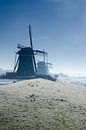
(42,68)
(26,66)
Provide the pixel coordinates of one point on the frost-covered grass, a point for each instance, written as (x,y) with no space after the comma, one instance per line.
(42,105)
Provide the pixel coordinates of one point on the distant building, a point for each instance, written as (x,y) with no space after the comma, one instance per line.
(42,68)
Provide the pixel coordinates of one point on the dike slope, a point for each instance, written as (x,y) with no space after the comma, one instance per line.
(40,104)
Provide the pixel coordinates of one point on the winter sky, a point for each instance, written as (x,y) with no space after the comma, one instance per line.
(58,26)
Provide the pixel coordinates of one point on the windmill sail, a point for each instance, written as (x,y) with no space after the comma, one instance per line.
(30,35)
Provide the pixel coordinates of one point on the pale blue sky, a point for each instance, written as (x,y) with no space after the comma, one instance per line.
(61,22)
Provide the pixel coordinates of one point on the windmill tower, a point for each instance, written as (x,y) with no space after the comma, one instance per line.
(25,66)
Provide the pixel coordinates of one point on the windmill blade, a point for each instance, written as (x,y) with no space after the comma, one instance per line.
(50,64)
(35,65)
(30,35)
(40,52)
(16,64)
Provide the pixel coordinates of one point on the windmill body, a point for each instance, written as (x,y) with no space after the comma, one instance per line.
(26,66)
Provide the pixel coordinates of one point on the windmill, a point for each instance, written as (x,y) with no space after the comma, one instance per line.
(25,66)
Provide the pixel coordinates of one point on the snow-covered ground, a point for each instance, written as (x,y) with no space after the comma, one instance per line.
(41,104)
(75,81)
